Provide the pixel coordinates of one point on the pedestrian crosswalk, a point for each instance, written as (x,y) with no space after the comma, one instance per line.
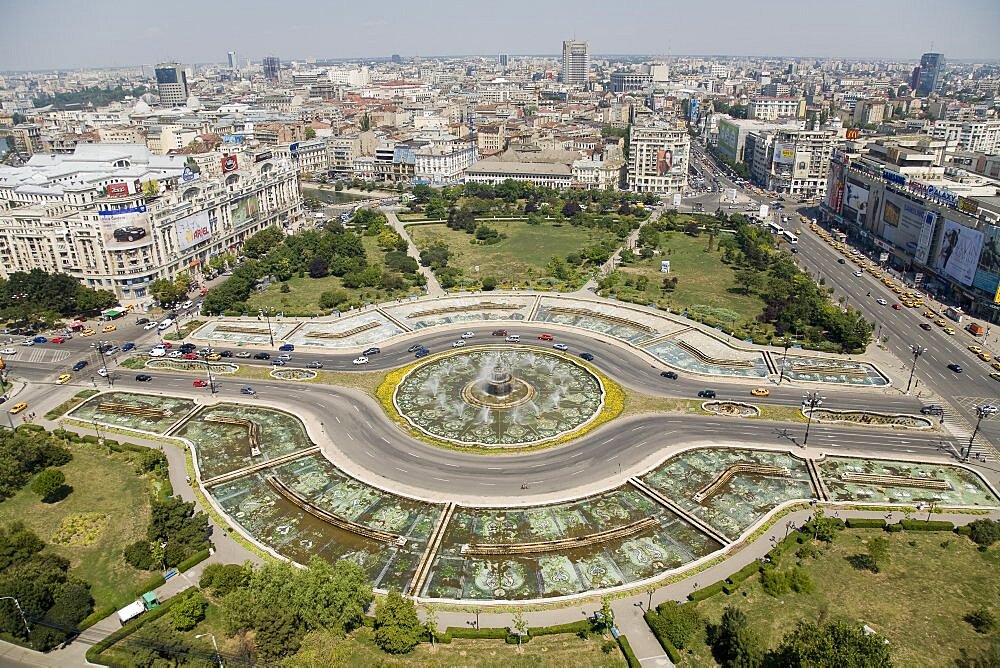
(960,428)
(43,356)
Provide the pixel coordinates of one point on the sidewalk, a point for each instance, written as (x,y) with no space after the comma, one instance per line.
(434,288)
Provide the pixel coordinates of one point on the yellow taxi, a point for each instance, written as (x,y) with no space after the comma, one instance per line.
(975,349)
(995,375)
(109,328)
(214,357)
(940,322)
(759,392)
(17,408)
(63,379)
(986,357)
(950,331)
(929,314)
(996,365)
(87,332)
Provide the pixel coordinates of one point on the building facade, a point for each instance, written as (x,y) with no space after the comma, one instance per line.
(272,68)
(930,74)
(771,108)
(575,62)
(790,161)
(117,217)
(171,81)
(630,82)
(658,159)
(976,136)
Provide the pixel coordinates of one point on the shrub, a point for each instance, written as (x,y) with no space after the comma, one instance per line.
(140,555)
(188,611)
(630,657)
(922,525)
(193,560)
(800,581)
(745,572)
(50,484)
(865,523)
(984,532)
(678,622)
(706,592)
(982,620)
(224,578)
(569,627)
(774,582)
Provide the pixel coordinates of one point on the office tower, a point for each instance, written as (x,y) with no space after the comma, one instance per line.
(576,62)
(234,60)
(272,68)
(503,59)
(172,84)
(931,74)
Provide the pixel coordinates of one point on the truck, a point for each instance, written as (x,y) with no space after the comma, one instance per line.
(975,329)
(146,602)
(955,314)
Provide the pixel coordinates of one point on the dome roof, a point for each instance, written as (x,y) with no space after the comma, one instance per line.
(141,107)
(193,103)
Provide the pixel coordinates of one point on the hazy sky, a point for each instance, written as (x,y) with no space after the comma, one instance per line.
(48,34)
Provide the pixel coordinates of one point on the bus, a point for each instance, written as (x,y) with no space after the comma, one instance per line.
(789,237)
(774,228)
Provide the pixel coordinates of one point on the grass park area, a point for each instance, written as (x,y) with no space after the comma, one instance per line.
(302,299)
(107,509)
(917,600)
(519,259)
(706,287)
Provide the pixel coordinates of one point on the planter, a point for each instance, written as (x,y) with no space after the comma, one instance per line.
(731,408)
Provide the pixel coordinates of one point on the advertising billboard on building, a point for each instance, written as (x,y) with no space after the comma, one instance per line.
(117,189)
(835,186)
(664,162)
(784,154)
(192,230)
(125,227)
(891,213)
(677,200)
(856,197)
(241,211)
(853,133)
(229,164)
(958,254)
(926,237)
(988,272)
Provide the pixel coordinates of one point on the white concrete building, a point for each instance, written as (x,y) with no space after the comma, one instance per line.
(658,159)
(770,108)
(93,214)
(977,136)
(444,161)
(794,162)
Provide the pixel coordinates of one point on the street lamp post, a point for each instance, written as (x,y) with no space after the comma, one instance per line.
(812,400)
(266,312)
(218,657)
(981,413)
(27,629)
(211,381)
(784,358)
(104,365)
(917,352)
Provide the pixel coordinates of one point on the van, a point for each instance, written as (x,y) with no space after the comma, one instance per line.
(707,394)
(165,324)
(513,338)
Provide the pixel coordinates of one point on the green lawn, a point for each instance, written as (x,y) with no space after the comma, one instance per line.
(705,286)
(519,259)
(106,486)
(303,297)
(917,602)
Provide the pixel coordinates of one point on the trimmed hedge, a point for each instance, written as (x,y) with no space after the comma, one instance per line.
(922,525)
(739,576)
(668,647)
(193,560)
(707,592)
(96,616)
(630,657)
(863,523)
(93,654)
(477,634)
(581,626)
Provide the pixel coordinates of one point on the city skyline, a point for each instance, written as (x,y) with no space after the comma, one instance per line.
(854,31)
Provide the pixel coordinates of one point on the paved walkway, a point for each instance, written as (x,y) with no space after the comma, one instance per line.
(434,288)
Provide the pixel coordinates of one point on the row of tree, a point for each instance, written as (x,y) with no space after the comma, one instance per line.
(38,297)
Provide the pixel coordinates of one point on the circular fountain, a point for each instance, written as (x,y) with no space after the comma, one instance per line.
(493,396)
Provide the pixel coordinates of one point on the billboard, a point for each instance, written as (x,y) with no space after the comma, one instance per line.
(800,170)
(835,186)
(229,164)
(891,213)
(925,237)
(784,154)
(958,253)
(988,273)
(117,189)
(192,230)
(125,227)
(856,197)
(853,133)
(677,200)
(241,211)
(664,162)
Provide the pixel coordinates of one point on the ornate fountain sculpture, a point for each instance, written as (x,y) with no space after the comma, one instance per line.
(500,382)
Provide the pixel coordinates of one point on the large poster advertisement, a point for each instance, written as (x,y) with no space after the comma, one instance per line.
(192,230)
(856,198)
(988,274)
(125,227)
(959,251)
(835,186)
(891,213)
(244,210)
(664,162)
(784,154)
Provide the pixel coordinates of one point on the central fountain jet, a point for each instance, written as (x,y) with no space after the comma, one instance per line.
(501,381)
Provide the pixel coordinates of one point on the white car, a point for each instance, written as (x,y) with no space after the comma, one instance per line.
(882,301)
(284,357)
(458,344)
(560,346)
(102,372)
(27,342)
(175,354)
(165,324)
(8,351)
(152,324)
(360,360)
(243,354)
(859,273)
(468,335)
(158,352)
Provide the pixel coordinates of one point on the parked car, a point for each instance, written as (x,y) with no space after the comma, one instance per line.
(672,375)
(143,377)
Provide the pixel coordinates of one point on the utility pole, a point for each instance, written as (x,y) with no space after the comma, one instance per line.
(812,400)
(104,364)
(266,312)
(981,413)
(917,352)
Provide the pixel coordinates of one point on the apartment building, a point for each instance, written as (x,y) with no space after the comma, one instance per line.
(794,162)
(770,108)
(658,158)
(575,62)
(976,136)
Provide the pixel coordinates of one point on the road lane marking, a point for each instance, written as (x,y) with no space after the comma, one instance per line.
(337,419)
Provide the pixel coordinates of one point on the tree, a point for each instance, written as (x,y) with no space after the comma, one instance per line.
(310,133)
(331,299)
(677,622)
(397,628)
(260,244)
(840,644)
(186,612)
(489,283)
(151,189)
(981,619)
(984,532)
(50,485)
(164,291)
(366,123)
(822,528)
(520,625)
(878,553)
(280,636)
(319,267)
(606,620)
(734,643)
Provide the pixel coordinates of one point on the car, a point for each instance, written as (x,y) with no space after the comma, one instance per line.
(80,365)
(243,354)
(165,324)
(672,375)
(932,409)
(841,260)
(63,379)
(975,349)
(372,351)
(423,352)
(995,365)
(141,321)
(128,346)
(190,356)
(926,326)
(57,339)
(995,375)
(458,344)
(546,337)
(930,314)
(561,346)
(468,335)
(27,342)
(314,365)
(166,345)
(587,356)
(143,377)
(414,348)
(262,356)
(499,332)
(957,368)
(40,339)
(277,362)
(213,357)
(198,382)
(8,351)
(513,338)
(940,322)
(187,347)
(176,354)
(897,306)
(158,352)
(706,394)
(109,328)
(187,304)
(152,324)
(286,348)
(989,409)
(760,392)
(986,357)
(361,360)
(129,233)
(248,390)
(859,273)
(102,372)
(950,331)
(18,407)
(882,301)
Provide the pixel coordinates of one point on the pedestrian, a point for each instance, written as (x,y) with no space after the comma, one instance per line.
(188,479)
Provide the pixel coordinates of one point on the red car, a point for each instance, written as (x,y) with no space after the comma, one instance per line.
(57,339)
(167,345)
(897,306)
(190,356)
(200,383)
(546,337)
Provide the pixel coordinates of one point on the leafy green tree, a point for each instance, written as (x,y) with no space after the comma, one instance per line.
(489,283)
(984,532)
(520,625)
(397,628)
(49,485)
(878,553)
(164,291)
(606,621)
(679,623)
(17,544)
(319,267)
(222,579)
(822,528)
(186,612)
(310,133)
(838,644)
(261,243)
(151,189)
(366,123)
(735,644)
